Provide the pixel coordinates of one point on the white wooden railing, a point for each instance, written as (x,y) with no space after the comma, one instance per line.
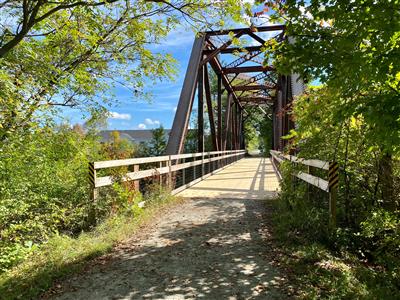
(330,186)
(180,171)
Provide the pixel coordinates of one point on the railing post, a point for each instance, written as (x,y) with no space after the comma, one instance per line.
(169,172)
(184,173)
(194,168)
(136,183)
(333,176)
(92,177)
(93,193)
(161,177)
(202,165)
(209,163)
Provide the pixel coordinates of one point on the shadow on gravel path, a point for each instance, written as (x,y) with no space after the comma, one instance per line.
(203,249)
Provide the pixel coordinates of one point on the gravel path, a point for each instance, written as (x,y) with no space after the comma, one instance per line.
(201,249)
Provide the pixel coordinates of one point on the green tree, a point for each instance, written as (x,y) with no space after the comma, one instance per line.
(158,142)
(353,48)
(118,148)
(67,53)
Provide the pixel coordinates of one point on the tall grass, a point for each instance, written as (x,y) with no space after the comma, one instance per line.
(63,255)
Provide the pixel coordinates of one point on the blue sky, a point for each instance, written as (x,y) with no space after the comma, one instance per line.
(136,113)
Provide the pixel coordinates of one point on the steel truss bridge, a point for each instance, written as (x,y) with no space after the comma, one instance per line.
(248,80)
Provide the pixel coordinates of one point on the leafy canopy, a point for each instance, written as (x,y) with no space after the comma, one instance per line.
(353,47)
(71,53)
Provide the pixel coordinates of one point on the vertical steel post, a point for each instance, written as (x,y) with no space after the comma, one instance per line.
(227,121)
(242,139)
(200,111)
(231,129)
(182,115)
(219,105)
(233,132)
(237,127)
(210,109)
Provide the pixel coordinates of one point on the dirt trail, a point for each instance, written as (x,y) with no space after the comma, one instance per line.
(206,248)
(202,249)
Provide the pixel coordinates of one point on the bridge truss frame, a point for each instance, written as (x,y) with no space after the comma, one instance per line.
(272,93)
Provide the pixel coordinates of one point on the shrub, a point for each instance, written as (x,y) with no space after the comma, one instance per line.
(44,187)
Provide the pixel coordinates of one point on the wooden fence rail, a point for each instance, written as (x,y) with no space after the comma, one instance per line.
(330,186)
(168,165)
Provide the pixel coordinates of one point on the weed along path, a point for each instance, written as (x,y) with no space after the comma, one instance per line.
(204,248)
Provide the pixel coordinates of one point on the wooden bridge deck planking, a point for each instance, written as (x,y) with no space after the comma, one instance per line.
(249,178)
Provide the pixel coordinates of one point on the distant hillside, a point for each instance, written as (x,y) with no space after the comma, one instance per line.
(134,136)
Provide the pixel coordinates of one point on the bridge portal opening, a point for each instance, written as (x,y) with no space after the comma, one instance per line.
(230,79)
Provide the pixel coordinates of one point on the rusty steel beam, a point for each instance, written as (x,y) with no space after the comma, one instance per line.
(233,127)
(233,78)
(218,50)
(237,127)
(249,69)
(261,93)
(254,78)
(182,116)
(227,131)
(242,59)
(257,38)
(216,65)
(253,87)
(236,49)
(219,109)
(255,29)
(256,99)
(243,142)
(210,108)
(231,130)
(200,111)
(227,120)
(255,104)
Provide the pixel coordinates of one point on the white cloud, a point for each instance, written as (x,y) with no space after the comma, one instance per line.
(142,126)
(151,122)
(179,37)
(175,108)
(148,121)
(118,116)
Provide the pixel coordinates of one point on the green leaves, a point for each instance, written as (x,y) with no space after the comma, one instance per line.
(353,48)
(74,51)
(158,143)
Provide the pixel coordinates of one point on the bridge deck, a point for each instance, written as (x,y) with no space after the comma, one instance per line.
(249,178)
